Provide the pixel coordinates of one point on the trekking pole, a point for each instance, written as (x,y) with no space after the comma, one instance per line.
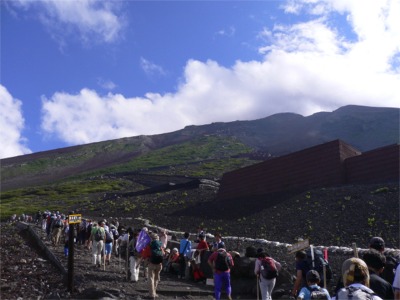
(127,261)
(119,258)
(104,256)
(258,285)
(355,250)
(324,269)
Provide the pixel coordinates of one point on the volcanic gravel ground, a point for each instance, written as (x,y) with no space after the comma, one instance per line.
(25,274)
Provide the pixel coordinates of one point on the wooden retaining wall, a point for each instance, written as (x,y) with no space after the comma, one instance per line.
(321,165)
(379,165)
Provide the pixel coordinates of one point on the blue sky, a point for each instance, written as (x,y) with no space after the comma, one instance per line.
(81,71)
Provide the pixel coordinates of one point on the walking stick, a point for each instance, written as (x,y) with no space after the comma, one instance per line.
(258,285)
(127,260)
(104,256)
(119,258)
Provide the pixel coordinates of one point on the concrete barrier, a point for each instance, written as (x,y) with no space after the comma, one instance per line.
(42,247)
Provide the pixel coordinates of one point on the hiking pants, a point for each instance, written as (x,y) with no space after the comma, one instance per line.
(154,278)
(266,287)
(184,268)
(223,278)
(134,267)
(55,235)
(97,249)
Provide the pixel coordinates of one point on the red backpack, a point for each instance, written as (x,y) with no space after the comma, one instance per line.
(268,268)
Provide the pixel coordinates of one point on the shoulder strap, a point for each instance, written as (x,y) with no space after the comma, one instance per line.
(184,250)
(352,289)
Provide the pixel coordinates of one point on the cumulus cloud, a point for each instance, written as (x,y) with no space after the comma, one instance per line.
(307,67)
(90,20)
(11,125)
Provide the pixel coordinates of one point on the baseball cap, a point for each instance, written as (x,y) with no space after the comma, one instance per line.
(377,243)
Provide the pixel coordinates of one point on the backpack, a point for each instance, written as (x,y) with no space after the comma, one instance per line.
(156,256)
(319,263)
(114,233)
(223,262)
(353,293)
(317,293)
(268,268)
(109,237)
(58,223)
(98,236)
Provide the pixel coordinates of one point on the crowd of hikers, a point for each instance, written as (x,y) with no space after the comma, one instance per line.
(373,276)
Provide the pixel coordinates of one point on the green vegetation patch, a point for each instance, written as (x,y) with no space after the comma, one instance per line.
(55,197)
(203,148)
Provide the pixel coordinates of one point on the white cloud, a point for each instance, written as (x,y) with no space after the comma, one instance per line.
(106,84)
(307,67)
(151,68)
(94,21)
(11,125)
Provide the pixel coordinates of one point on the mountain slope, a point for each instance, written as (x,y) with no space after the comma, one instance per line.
(209,150)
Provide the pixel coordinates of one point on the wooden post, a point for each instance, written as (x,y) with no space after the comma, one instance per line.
(312,256)
(355,250)
(71,258)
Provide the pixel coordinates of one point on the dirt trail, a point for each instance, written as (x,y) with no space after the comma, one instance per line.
(111,281)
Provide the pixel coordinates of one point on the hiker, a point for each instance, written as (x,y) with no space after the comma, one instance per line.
(266,269)
(57,227)
(81,239)
(313,290)
(378,244)
(356,281)
(88,230)
(144,239)
(376,263)
(115,235)
(173,262)
(221,262)
(200,231)
(49,220)
(217,241)
(185,248)
(109,241)
(66,239)
(167,253)
(164,238)
(302,268)
(97,241)
(134,258)
(122,243)
(155,263)
(202,246)
(396,284)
